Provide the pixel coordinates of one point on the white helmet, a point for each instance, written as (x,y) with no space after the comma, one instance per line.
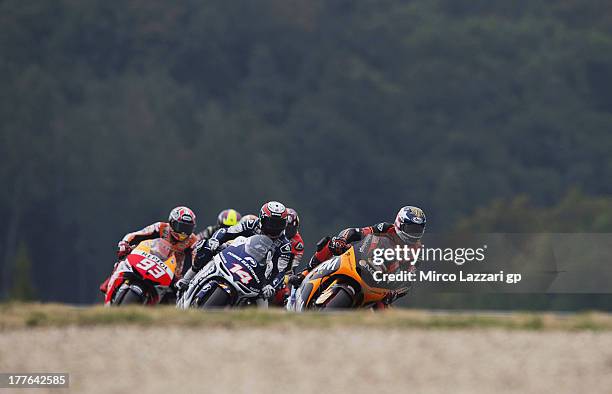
(410,223)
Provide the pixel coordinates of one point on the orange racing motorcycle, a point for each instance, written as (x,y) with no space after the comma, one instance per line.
(353,279)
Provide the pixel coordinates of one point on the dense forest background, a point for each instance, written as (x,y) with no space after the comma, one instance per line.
(492,115)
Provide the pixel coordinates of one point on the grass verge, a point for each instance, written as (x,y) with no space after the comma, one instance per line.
(20,316)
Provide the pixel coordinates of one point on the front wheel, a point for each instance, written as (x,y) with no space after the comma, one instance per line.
(218,299)
(340,300)
(131,297)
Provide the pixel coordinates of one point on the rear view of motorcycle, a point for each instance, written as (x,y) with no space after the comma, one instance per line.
(234,277)
(144,276)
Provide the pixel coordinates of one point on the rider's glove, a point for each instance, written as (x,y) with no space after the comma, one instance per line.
(296,280)
(212,244)
(182,284)
(267,291)
(123,249)
(338,245)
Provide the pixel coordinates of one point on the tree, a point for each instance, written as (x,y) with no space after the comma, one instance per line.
(22,288)
(576,212)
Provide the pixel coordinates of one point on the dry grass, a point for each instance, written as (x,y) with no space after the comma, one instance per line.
(17,316)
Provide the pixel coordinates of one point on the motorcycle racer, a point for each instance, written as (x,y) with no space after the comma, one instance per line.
(408,227)
(178,230)
(292,233)
(297,249)
(271,222)
(226,218)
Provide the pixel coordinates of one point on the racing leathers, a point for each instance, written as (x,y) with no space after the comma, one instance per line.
(182,249)
(281,258)
(328,247)
(297,250)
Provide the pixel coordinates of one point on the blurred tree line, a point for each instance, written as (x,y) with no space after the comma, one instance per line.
(574,213)
(111,113)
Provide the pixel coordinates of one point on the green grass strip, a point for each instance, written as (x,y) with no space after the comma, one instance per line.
(23,316)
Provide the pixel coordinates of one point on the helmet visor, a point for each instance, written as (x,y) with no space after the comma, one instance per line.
(413,230)
(182,227)
(273,226)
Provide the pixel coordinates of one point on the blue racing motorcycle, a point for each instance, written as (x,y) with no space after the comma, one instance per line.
(234,277)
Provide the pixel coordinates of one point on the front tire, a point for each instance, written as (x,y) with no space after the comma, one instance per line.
(130,297)
(340,300)
(218,299)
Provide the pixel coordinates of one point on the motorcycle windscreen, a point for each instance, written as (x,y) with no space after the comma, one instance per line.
(258,246)
(371,265)
(160,248)
(246,261)
(154,260)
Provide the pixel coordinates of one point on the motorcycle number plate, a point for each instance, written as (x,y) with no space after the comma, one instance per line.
(244,276)
(151,268)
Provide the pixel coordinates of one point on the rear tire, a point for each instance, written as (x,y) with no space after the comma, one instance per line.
(218,299)
(341,300)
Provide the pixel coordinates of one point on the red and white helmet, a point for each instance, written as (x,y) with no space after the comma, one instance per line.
(248,217)
(410,223)
(293,223)
(182,223)
(273,219)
